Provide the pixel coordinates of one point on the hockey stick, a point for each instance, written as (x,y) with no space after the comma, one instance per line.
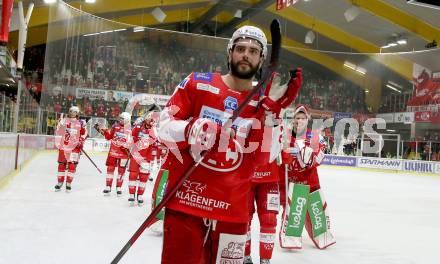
(87,155)
(273,65)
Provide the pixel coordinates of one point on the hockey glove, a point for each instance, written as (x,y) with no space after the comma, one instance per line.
(202,132)
(98,128)
(305,154)
(279,96)
(81,141)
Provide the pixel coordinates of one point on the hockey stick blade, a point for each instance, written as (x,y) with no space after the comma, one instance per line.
(273,65)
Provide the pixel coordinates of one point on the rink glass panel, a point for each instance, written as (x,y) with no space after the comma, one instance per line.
(99,64)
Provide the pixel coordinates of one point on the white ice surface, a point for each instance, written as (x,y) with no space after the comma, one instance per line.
(376,218)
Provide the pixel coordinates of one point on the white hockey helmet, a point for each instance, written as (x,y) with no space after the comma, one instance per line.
(249,32)
(302,109)
(74,109)
(125,117)
(138,121)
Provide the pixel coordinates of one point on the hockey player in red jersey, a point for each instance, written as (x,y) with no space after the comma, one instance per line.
(143,154)
(73,133)
(303,154)
(119,135)
(211,207)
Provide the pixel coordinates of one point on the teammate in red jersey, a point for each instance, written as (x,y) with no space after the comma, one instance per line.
(143,154)
(73,133)
(265,194)
(211,207)
(304,153)
(120,136)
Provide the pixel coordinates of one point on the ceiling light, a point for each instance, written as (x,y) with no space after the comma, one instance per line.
(395,84)
(350,65)
(354,67)
(121,29)
(138,29)
(402,41)
(351,13)
(90,1)
(91,34)
(49,1)
(361,70)
(158,14)
(310,37)
(238,13)
(105,32)
(393,88)
(385,46)
(426,3)
(392,44)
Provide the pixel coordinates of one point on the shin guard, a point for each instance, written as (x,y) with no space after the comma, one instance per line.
(294,215)
(318,221)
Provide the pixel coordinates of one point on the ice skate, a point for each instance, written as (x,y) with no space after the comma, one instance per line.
(140,200)
(68,187)
(264,261)
(118,191)
(247,260)
(131,199)
(107,190)
(58,187)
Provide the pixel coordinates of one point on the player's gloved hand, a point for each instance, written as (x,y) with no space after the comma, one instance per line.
(281,96)
(305,155)
(202,132)
(62,121)
(98,128)
(81,141)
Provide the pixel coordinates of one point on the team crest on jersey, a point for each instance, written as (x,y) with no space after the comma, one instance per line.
(203,76)
(230,103)
(183,83)
(225,161)
(194,187)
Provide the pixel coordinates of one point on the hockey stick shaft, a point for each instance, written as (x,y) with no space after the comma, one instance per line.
(94,164)
(276,45)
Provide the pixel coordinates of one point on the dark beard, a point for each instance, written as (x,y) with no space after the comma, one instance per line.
(246,75)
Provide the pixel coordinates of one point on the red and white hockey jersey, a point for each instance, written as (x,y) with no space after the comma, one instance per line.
(145,143)
(266,173)
(218,188)
(296,173)
(120,140)
(73,132)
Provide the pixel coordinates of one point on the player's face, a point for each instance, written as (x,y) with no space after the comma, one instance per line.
(72,114)
(300,122)
(245,58)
